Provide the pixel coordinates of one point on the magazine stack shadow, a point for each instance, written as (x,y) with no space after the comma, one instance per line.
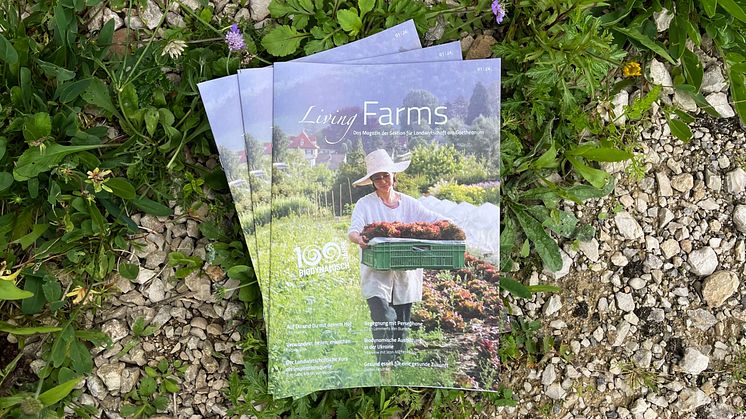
(366,182)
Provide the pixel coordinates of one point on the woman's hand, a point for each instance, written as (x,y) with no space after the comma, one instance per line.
(358,239)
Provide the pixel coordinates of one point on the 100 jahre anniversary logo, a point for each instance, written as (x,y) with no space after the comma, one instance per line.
(313,259)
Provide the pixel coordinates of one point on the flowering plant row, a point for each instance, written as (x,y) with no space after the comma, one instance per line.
(439,230)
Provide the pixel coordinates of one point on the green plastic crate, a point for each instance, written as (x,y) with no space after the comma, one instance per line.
(413,254)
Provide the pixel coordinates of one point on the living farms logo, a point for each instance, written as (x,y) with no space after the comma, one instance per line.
(330,257)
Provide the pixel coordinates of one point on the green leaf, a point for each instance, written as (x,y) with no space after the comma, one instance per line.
(650,44)
(57,393)
(9,291)
(3,146)
(106,34)
(54,71)
(282,41)
(34,161)
(151,207)
(162,365)
(97,94)
(679,129)
(129,100)
(52,290)
(737,77)
(171,386)
(151,119)
(31,237)
(349,21)
(6,180)
(546,247)
(70,91)
(121,187)
(35,303)
(7,52)
(148,386)
(514,287)
(24,331)
(709,6)
(692,69)
(595,177)
(547,160)
(129,270)
(81,358)
(365,6)
(734,9)
(602,154)
(36,126)
(544,288)
(677,37)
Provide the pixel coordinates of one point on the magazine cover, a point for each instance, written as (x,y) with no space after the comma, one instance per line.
(387,276)
(255,92)
(222,103)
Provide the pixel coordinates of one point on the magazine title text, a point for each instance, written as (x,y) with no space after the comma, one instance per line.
(383,115)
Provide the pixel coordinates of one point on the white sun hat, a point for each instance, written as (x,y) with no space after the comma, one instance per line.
(379,161)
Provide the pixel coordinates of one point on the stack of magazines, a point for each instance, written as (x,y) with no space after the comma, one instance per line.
(365,179)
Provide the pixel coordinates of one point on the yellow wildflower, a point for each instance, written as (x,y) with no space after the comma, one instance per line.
(97,178)
(80,293)
(632,69)
(7,274)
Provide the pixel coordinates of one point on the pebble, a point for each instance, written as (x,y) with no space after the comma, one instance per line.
(625,302)
(735,181)
(694,361)
(683,182)
(739,218)
(719,286)
(553,305)
(703,262)
(628,227)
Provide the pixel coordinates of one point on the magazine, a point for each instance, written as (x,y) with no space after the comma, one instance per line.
(255,92)
(418,146)
(228,115)
(259,167)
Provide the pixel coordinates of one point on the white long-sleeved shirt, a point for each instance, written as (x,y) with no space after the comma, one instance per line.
(397,287)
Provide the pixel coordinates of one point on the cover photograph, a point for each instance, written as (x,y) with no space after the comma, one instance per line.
(387,273)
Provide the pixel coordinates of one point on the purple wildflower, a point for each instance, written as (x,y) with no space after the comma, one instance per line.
(498,11)
(234,39)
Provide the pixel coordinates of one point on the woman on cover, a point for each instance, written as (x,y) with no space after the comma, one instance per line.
(389,294)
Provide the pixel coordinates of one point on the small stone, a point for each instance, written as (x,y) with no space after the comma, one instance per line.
(145,275)
(589,249)
(481,48)
(152,223)
(739,218)
(713,80)
(637,283)
(713,181)
(199,323)
(96,387)
(549,375)
(237,357)
(665,216)
(625,302)
(719,286)
(115,329)
(259,9)
(642,358)
(622,330)
(664,184)
(151,15)
(639,407)
(618,259)
(683,182)
(553,305)
(694,361)
(214,329)
(702,319)
(201,286)
(670,248)
(555,391)
(691,399)
(628,226)
(210,364)
(719,101)
(659,74)
(663,21)
(735,181)
(703,262)
(111,375)
(156,291)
